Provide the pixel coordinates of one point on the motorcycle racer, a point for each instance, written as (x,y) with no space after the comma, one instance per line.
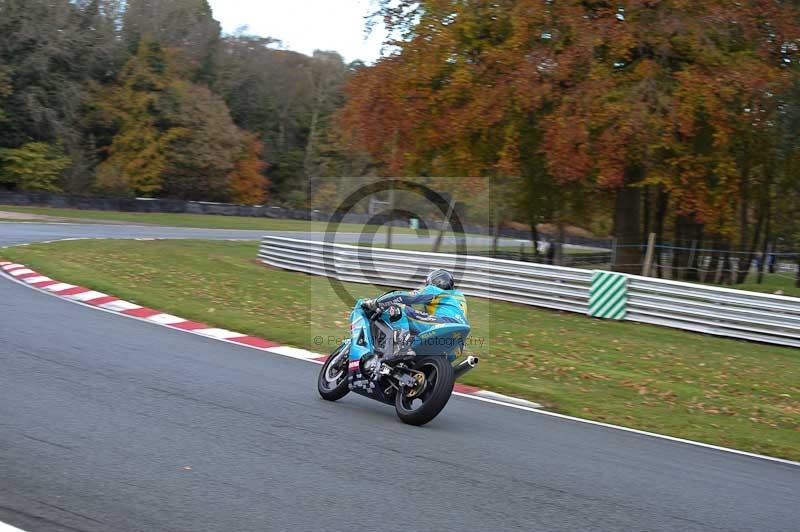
(441,301)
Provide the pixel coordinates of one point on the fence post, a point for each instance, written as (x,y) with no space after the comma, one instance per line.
(690,263)
(648,258)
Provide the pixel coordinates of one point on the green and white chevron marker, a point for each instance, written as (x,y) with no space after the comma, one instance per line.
(608,297)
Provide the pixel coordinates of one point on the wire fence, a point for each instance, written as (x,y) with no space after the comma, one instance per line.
(679,262)
(712,265)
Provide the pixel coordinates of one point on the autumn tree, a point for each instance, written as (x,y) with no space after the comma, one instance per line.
(200,160)
(137,157)
(636,105)
(169,136)
(288,99)
(33,167)
(665,103)
(247,182)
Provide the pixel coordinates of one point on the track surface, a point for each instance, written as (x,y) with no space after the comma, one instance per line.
(101,417)
(110,424)
(12,233)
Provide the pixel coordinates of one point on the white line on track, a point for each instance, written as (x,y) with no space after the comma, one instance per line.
(8,528)
(302,354)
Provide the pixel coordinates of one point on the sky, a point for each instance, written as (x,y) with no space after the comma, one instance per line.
(306,25)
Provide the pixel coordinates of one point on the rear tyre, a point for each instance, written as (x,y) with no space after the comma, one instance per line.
(332,381)
(419,405)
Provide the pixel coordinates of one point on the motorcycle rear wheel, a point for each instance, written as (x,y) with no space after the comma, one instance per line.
(416,408)
(332,382)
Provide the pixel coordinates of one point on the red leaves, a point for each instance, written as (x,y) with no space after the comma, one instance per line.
(652,93)
(248,184)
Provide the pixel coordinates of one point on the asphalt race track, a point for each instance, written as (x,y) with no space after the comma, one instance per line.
(112,424)
(12,233)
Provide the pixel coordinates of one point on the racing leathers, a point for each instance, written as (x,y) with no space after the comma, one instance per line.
(441,306)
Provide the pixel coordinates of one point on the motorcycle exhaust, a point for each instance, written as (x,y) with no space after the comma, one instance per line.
(465,365)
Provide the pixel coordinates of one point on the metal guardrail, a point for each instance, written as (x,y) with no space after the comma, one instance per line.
(693,307)
(530,284)
(713,310)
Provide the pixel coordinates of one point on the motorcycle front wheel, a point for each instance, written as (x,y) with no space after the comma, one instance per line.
(332,381)
(419,405)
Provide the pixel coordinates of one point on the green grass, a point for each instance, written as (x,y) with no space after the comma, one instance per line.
(773,283)
(720,391)
(206,221)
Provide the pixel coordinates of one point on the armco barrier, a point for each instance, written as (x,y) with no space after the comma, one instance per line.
(520,282)
(693,307)
(714,310)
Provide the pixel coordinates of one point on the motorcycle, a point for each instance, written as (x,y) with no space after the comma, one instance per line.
(418,385)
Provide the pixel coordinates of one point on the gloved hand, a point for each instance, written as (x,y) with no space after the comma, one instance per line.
(373,308)
(370,305)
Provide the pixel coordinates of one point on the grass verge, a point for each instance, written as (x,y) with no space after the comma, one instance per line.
(719,391)
(772,283)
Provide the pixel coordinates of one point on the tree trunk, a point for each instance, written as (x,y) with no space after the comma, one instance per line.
(678,253)
(746,259)
(764,208)
(535,240)
(744,207)
(559,249)
(647,211)
(695,256)
(725,276)
(765,250)
(661,214)
(627,230)
(312,135)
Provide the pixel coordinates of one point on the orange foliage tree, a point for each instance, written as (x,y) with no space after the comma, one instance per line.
(247,181)
(574,101)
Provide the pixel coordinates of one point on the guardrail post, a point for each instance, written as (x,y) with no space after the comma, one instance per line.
(608,296)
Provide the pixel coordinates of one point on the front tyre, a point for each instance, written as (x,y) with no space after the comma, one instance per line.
(332,381)
(419,405)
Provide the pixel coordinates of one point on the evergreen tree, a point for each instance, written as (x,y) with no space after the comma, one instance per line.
(184,25)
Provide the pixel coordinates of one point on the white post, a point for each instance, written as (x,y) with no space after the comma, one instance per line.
(648,258)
